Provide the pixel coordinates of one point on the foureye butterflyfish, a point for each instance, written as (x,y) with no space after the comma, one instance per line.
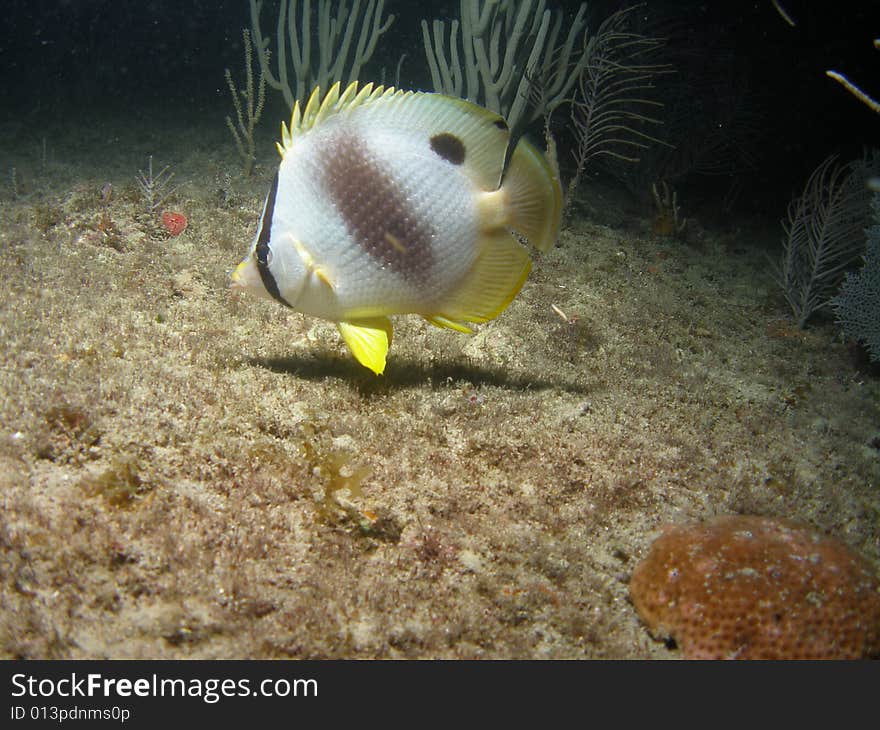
(394,202)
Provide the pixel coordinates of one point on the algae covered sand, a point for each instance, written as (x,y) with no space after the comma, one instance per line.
(187,473)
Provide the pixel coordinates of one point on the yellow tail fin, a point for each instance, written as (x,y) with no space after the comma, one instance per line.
(534,195)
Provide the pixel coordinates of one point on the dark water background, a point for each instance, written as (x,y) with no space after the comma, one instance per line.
(71,59)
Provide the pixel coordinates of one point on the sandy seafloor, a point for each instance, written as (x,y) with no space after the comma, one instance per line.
(189,474)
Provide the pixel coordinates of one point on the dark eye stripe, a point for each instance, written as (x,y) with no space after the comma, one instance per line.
(262,249)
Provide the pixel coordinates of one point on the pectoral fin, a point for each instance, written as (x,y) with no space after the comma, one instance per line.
(368,340)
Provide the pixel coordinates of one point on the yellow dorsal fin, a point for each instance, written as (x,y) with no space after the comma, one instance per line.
(318,108)
(480,135)
(438,320)
(483,135)
(368,340)
(315,105)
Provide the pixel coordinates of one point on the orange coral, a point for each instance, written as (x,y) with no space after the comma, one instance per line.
(758,588)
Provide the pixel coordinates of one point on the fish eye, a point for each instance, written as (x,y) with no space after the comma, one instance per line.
(263,255)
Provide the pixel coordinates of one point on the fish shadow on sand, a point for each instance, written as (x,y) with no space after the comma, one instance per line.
(411,373)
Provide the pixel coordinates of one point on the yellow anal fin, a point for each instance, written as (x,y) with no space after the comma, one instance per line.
(439,320)
(368,340)
(497,276)
(534,195)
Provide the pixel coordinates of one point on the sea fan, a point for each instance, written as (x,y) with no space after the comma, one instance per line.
(824,234)
(858,304)
(613,102)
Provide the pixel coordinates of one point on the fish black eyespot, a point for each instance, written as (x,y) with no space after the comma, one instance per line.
(449,147)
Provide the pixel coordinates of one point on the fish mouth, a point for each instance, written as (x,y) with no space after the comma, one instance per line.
(243,277)
(239,277)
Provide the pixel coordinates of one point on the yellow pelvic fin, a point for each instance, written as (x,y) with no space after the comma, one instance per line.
(368,340)
(534,195)
(497,276)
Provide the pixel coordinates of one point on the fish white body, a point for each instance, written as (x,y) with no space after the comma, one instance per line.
(390,202)
(366,284)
